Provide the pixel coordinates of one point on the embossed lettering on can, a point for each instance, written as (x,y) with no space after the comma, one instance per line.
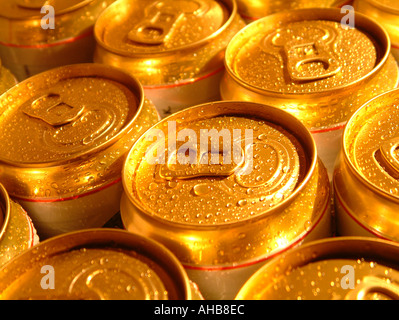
(175,48)
(366,177)
(252,10)
(63,142)
(27,48)
(220,219)
(385,12)
(96,264)
(17,232)
(342,268)
(305,62)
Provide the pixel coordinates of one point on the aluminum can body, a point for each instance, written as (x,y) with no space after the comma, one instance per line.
(39,36)
(364,181)
(341,268)
(234,204)
(65,133)
(290,60)
(174,48)
(96,264)
(17,232)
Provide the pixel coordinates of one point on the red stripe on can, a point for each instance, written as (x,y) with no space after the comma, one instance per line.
(49,45)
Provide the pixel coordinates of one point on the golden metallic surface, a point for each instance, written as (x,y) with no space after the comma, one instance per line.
(219,214)
(30,44)
(366,178)
(256,9)
(65,132)
(7,79)
(305,62)
(96,264)
(23,17)
(386,12)
(17,232)
(343,268)
(165,42)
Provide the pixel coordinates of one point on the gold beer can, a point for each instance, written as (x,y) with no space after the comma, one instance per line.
(365,179)
(386,12)
(251,10)
(17,232)
(96,264)
(223,214)
(307,63)
(7,79)
(64,134)
(175,48)
(342,268)
(40,35)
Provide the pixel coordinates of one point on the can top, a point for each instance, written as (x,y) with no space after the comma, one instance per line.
(306,51)
(95,264)
(148,26)
(28,9)
(221,184)
(64,114)
(240,167)
(64,132)
(371,143)
(336,269)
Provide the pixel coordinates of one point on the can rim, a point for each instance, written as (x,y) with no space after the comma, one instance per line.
(231,4)
(347,159)
(313,13)
(104,236)
(85,70)
(67,10)
(284,203)
(328,248)
(7,210)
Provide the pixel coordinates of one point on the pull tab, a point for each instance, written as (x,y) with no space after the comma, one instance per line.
(370,285)
(208,163)
(387,157)
(51,109)
(301,56)
(31,4)
(161,18)
(307,57)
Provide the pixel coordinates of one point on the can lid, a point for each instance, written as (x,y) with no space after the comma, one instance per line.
(65,113)
(28,9)
(301,52)
(240,168)
(143,26)
(371,143)
(227,179)
(330,269)
(96,264)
